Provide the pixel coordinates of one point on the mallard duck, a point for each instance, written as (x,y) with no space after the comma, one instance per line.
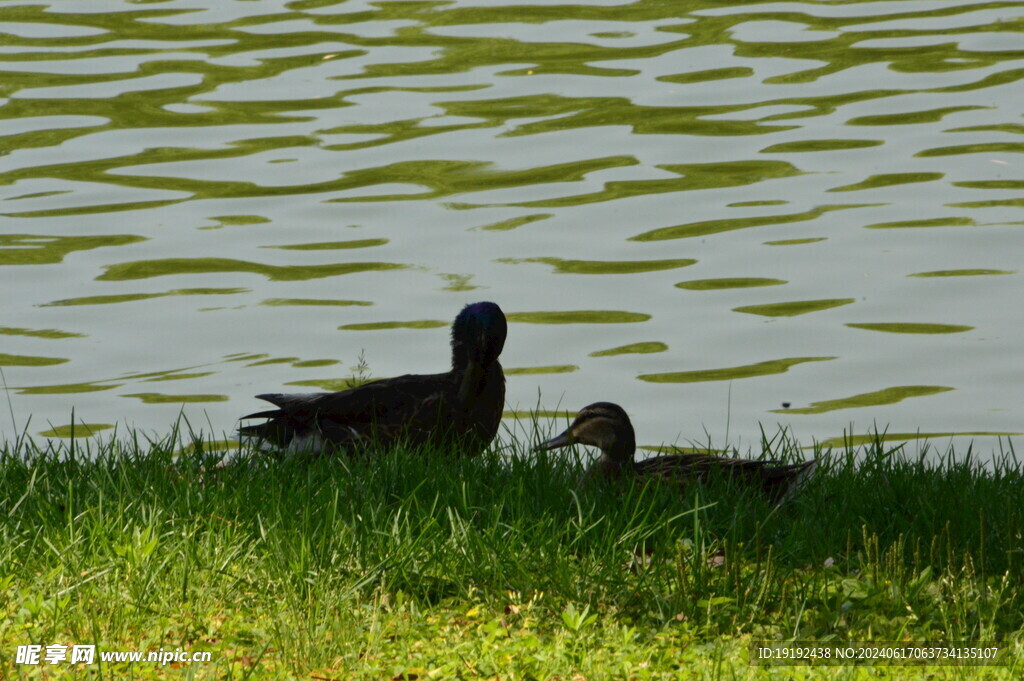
(607,426)
(461,407)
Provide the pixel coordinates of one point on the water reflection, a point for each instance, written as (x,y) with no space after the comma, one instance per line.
(796,307)
(160,398)
(775,366)
(7,360)
(436,154)
(911,327)
(145,269)
(130,297)
(578,317)
(872,399)
(29,249)
(728,282)
(605,267)
(39,333)
(631,349)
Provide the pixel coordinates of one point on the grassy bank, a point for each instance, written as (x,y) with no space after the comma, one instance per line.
(417,564)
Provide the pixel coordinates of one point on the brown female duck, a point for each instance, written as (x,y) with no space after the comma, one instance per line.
(460,408)
(607,426)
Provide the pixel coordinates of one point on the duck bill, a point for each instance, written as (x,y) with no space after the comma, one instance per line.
(563,440)
(471,380)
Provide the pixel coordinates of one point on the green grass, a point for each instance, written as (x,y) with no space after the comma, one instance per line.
(417,565)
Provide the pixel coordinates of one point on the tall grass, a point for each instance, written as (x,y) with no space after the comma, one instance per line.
(305,564)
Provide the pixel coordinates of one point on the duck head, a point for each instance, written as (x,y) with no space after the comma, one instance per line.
(603,425)
(478,335)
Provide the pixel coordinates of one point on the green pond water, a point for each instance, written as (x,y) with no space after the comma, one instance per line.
(720,215)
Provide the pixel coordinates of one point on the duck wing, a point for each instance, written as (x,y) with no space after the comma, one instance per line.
(411,405)
(778,480)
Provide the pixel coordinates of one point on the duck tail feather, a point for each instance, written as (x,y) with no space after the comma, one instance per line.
(269,414)
(794,481)
(276,399)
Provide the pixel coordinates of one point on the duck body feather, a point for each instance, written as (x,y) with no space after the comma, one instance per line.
(460,408)
(607,426)
(414,408)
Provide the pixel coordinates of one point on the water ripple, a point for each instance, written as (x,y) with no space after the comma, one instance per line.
(290,140)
